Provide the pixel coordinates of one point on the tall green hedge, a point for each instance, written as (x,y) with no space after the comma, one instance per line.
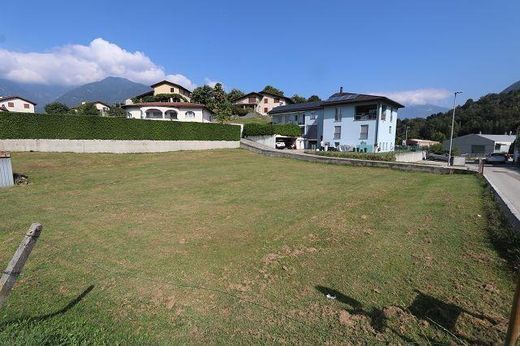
(256,129)
(43,126)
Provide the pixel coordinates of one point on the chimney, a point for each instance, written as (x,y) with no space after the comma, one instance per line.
(341,90)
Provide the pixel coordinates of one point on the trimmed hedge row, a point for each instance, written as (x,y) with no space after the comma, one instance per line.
(256,129)
(390,156)
(43,126)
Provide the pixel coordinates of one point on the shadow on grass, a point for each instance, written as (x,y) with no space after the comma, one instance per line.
(442,316)
(42,318)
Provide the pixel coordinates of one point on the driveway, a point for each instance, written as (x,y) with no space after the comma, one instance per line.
(506,180)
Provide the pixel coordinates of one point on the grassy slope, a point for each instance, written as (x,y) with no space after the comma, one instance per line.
(266,238)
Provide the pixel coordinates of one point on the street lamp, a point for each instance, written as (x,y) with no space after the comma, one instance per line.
(452,125)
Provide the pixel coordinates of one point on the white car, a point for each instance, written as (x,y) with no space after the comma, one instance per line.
(279,145)
(496,158)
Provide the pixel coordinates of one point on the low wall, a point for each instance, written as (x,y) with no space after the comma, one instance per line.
(414,167)
(110,146)
(411,156)
(512,216)
(268,141)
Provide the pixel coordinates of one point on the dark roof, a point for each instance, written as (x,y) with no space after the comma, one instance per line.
(335,99)
(296,107)
(5,98)
(247,95)
(103,103)
(166,104)
(170,83)
(148,93)
(342,98)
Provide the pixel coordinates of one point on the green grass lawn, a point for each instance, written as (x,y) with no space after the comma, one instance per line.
(232,247)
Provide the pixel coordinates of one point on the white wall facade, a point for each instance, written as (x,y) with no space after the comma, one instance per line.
(17,105)
(263,104)
(192,114)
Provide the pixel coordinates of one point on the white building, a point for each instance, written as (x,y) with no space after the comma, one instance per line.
(103,108)
(346,121)
(16,104)
(481,145)
(176,111)
(162,88)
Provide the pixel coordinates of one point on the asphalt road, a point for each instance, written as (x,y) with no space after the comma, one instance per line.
(506,180)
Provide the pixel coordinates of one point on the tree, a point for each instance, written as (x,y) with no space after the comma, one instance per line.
(221,105)
(57,108)
(314,98)
(235,94)
(116,112)
(202,95)
(298,99)
(88,108)
(272,90)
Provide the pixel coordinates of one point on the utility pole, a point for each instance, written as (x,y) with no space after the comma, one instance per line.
(452,125)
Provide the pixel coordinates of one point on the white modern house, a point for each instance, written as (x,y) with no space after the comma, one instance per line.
(261,102)
(16,104)
(481,145)
(346,121)
(172,111)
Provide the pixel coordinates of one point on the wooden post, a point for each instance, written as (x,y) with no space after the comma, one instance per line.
(15,266)
(513,331)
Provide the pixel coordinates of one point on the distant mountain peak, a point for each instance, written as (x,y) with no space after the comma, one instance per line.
(420,111)
(513,87)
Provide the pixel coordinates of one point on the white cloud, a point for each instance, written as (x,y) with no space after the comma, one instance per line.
(418,96)
(79,64)
(211,83)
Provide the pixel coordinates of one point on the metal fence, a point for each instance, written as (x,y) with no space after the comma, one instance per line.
(6,170)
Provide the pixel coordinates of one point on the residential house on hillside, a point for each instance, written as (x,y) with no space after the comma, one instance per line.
(261,102)
(16,104)
(481,145)
(173,111)
(347,121)
(164,87)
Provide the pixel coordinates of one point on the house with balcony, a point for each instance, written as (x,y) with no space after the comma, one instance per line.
(170,111)
(346,121)
(161,88)
(261,102)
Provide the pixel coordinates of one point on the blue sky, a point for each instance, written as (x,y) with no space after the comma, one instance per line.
(401,48)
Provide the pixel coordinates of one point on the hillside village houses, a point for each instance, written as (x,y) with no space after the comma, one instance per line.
(167,110)
(16,104)
(261,102)
(346,121)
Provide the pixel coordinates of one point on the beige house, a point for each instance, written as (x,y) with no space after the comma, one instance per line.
(261,102)
(164,87)
(103,108)
(16,104)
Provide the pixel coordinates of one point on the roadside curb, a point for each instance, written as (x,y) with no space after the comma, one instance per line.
(402,166)
(512,215)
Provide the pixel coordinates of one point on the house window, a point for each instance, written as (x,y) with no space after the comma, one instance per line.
(190,114)
(390,130)
(154,114)
(170,115)
(391,114)
(337,132)
(10,104)
(266,110)
(313,116)
(172,90)
(383,113)
(497,146)
(367,112)
(301,119)
(26,105)
(265,100)
(252,100)
(276,100)
(364,132)
(337,114)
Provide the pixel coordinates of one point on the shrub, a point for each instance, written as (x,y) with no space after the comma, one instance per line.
(40,126)
(257,129)
(357,155)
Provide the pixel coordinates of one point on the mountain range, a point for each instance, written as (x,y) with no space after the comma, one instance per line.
(420,111)
(109,90)
(513,87)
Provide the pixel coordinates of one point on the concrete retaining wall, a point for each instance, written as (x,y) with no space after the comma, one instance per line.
(261,149)
(412,156)
(268,141)
(110,146)
(504,205)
